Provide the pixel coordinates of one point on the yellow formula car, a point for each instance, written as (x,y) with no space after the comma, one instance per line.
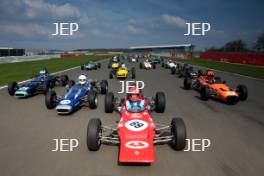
(122,73)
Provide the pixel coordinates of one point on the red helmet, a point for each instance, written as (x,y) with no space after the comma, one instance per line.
(133,93)
(210,74)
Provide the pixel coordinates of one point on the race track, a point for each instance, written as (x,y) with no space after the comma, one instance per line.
(27,130)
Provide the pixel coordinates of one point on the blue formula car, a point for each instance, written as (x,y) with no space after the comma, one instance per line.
(90,66)
(83,93)
(39,84)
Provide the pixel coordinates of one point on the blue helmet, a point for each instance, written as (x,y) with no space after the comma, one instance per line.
(43,71)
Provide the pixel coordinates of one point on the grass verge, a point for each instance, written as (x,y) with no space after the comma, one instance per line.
(247,70)
(24,70)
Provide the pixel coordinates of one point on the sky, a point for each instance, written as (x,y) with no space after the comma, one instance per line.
(124,23)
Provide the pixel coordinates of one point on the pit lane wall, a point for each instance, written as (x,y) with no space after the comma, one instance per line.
(242,58)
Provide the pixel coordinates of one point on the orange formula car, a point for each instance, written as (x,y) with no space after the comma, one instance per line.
(211,86)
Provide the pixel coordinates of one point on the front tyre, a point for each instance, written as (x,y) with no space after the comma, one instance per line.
(187,83)
(93,99)
(160,102)
(109,102)
(12,87)
(51,99)
(242,92)
(93,134)
(205,93)
(104,86)
(178,131)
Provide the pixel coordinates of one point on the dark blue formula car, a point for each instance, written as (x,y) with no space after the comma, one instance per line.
(38,85)
(91,66)
(77,95)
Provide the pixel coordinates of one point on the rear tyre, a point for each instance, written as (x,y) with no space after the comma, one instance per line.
(133,72)
(140,65)
(70,83)
(46,87)
(93,134)
(82,67)
(93,99)
(64,80)
(12,87)
(99,65)
(187,83)
(205,93)
(109,102)
(162,64)
(160,102)
(242,92)
(154,66)
(111,75)
(178,131)
(104,86)
(173,70)
(200,72)
(51,99)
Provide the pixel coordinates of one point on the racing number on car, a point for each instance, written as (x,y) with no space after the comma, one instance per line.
(136,125)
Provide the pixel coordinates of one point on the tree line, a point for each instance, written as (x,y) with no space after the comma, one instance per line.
(240,46)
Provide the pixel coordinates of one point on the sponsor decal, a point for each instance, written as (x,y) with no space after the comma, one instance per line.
(136,145)
(136,125)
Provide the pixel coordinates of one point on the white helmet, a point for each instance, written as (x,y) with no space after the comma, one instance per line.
(82,79)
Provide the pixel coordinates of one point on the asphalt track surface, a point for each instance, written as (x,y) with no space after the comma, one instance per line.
(27,130)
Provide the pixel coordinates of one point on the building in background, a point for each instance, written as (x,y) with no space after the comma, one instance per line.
(176,51)
(5,51)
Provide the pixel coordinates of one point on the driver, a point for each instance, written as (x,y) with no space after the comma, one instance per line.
(43,72)
(123,66)
(134,103)
(210,76)
(82,79)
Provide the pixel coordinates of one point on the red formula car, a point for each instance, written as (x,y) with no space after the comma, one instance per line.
(136,133)
(212,86)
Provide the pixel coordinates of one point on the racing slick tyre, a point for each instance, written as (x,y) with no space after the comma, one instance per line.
(133,73)
(46,87)
(160,102)
(109,102)
(140,65)
(99,65)
(173,70)
(200,73)
(93,134)
(92,99)
(242,92)
(64,80)
(70,83)
(12,87)
(111,75)
(82,67)
(104,86)
(187,83)
(51,99)
(205,93)
(178,131)
(154,66)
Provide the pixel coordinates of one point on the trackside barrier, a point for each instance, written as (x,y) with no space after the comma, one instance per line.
(242,58)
